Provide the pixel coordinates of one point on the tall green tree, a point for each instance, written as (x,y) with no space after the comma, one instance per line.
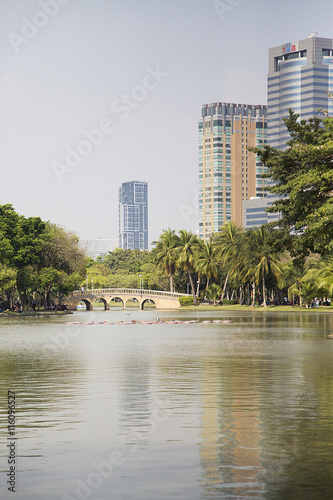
(206,260)
(187,244)
(165,253)
(228,242)
(8,277)
(260,257)
(320,272)
(8,230)
(37,252)
(292,274)
(303,178)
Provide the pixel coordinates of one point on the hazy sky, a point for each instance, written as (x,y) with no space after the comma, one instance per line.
(98,92)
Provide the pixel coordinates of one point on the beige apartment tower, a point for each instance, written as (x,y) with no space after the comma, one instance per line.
(228,172)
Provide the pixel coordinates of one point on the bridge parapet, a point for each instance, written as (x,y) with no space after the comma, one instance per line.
(128,291)
(161,298)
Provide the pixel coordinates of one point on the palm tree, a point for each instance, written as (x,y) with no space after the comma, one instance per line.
(214,291)
(206,260)
(323,275)
(187,244)
(261,256)
(306,292)
(227,241)
(292,275)
(166,253)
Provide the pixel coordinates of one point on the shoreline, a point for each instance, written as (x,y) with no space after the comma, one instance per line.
(13,314)
(199,308)
(237,307)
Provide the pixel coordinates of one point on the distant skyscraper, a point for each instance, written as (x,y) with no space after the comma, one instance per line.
(228,172)
(299,76)
(133,215)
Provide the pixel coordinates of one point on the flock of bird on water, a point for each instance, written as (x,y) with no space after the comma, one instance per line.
(157,321)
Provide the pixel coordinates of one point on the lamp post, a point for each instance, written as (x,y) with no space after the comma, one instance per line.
(141,285)
(87,282)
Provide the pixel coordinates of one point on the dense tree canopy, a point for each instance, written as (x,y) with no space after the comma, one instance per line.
(303,178)
(39,261)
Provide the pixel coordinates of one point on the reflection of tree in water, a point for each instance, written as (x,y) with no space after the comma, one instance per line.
(44,382)
(135,422)
(298,438)
(230,430)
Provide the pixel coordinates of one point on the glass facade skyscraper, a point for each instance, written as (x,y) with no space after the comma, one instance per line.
(133,215)
(228,172)
(299,76)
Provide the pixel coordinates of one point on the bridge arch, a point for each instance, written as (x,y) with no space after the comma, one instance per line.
(151,302)
(100,300)
(116,302)
(132,303)
(86,302)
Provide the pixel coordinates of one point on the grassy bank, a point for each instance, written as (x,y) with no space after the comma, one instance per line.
(238,307)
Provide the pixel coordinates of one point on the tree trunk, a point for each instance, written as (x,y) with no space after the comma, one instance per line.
(193,290)
(263,285)
(300,297)
(248,295)
(47,304)
(240,295)
(253,293)
(171,283)
(224,287)
(198,287)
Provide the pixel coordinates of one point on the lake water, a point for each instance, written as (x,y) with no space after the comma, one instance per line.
(160,412)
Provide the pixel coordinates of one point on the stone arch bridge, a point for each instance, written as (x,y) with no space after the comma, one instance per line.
(162,300)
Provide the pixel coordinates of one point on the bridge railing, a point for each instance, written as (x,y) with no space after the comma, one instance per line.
(128,291)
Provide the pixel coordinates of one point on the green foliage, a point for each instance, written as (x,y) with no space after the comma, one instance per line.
(188,301)
(37,258)
(165,253)
(303,177)
(206,260)
(122,269)
(214,292)
(130,261)
(7,277)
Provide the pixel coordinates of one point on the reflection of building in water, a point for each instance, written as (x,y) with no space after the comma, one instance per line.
(135,421)
(230,433)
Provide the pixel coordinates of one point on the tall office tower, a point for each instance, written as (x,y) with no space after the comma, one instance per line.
(133,215)
(228,172)
(300,75)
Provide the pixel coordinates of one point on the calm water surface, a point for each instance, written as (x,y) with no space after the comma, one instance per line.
(161,412)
